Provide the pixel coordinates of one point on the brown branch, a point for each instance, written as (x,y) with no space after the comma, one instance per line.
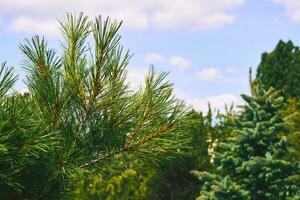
(155,134)
(128,147)
(102,158)
(133,110)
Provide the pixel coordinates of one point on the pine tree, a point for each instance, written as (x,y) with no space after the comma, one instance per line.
(81,117)
(253,163)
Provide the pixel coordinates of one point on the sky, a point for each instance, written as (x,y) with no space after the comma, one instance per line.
(207,46)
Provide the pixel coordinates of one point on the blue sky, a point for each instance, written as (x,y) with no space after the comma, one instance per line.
(206,45)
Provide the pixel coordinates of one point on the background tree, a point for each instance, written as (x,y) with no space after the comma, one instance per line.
(291,114)
(280,69)
(81,118)
(131,184)
(173,179)
(254,162)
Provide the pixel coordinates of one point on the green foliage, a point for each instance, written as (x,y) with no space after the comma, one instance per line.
(128,185)
(280,69)
(81,118)
(170,180)
(254,160)
(217,188)
(173,179)
(7,79)
(24,147)
(291,113)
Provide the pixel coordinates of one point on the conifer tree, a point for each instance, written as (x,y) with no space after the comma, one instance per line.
(280,69)
(253,163)
(81,117)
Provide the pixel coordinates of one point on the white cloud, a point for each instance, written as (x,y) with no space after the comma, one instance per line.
(174,61)
(195,14)
(217,102)
(209,74)
(136,76)
(231,70)
(292,8)
(28,25)
(179,62)
(178,14)
(154,58)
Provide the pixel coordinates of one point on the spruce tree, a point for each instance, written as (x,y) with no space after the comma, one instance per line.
(81,117)
(253,163)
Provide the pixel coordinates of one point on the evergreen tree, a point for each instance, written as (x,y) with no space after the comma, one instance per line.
(216,187)
(280,69)
(253,163)
(81,117)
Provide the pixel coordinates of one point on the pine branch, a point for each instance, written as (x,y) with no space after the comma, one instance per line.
(128,147)
(81,110)
(7,79)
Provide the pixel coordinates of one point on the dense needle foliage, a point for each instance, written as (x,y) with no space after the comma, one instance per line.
(80,116)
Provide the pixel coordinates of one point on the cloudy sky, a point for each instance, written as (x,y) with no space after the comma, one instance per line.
(206,45)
